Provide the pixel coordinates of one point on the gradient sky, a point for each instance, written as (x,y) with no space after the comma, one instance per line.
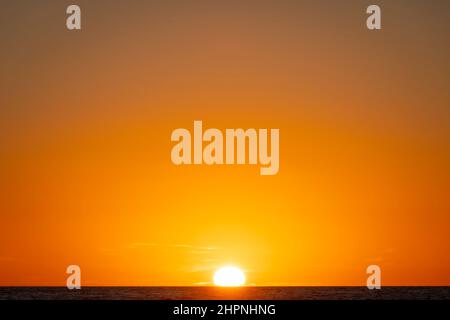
(86,118)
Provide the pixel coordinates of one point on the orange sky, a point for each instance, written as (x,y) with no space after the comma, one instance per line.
(86,119)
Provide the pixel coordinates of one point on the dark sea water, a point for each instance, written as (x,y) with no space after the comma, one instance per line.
(217,293)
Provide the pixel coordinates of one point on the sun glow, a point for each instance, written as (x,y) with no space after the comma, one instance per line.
(229,277)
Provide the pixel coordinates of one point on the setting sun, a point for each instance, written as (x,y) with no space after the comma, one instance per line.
(229,277)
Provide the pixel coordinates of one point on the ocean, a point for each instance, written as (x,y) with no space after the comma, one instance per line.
(221,293)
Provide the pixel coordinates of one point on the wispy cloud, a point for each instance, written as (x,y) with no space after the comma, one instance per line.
(204,283)
(193,248)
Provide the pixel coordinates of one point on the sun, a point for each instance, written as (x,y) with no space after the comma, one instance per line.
(229,276)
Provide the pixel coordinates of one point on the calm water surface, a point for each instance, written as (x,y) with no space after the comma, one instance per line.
(215,293)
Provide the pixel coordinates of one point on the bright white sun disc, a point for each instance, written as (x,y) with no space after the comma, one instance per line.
(229,277)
